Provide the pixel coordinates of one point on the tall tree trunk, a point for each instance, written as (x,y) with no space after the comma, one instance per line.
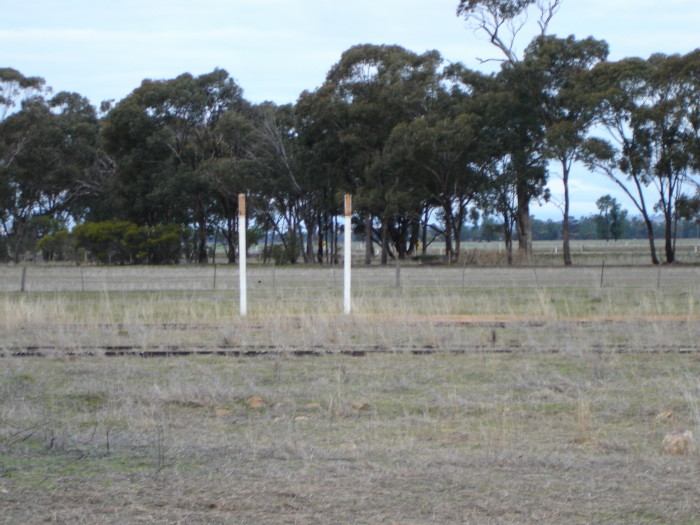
(523,223)
(565,222)
(415,235)
(368,238)
(385,241)
(508,239)
(448,233)
(334,254)
(668,238)
(675,233)
(202,240)
(457,224)
(216,242)
(424,248)
(265,247)
(650,236)
(321,238)
(16,240)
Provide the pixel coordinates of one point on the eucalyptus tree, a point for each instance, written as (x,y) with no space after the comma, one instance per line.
(689,207)
(610,220)
(384,86)
(504,157)
(290,202)
(235,169)
(16,88)
(505,23)
(499,199)
(649,109)
(667,126)
(443,153)
(51,148)
(619,89)
(349,119)
(330,165)
(560,65)
(397,189)
(164,136)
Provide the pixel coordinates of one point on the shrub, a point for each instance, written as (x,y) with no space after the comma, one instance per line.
(163,244)
(57,247)
(121,242)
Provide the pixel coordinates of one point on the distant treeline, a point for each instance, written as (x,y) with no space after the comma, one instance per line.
(115,242)
(583,228)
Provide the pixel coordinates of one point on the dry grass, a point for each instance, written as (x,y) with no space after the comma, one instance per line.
(502,401)
(487,438)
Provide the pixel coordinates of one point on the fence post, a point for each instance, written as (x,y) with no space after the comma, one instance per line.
(242,251)
(398,270)
(347,254)
(24,279)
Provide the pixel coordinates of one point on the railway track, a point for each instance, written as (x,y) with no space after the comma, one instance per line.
(241,351)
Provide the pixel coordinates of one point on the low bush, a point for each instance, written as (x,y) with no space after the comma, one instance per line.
(115,242)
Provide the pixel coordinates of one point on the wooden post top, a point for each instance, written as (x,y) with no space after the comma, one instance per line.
(348,205)
(241,204)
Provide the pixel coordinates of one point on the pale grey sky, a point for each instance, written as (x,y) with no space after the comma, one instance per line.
(275,49)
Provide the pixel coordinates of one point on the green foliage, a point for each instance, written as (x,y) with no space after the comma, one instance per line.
(281,254)
(253,235)
(505,8)
(610,222)
(102,240)
(171,139)
(48,151)
(650,110)
(162,244)
(689,207)
(348,122)
(57,247)
(126,243)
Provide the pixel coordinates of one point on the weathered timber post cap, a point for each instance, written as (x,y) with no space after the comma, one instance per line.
(348,205)
(241,204)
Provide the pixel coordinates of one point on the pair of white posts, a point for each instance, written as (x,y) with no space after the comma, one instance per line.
(347,256)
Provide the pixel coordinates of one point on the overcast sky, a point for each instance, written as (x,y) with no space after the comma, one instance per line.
(275,49)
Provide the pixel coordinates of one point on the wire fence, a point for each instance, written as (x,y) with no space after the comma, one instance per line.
(225,278)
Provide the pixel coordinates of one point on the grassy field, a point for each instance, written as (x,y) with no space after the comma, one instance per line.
(462,395)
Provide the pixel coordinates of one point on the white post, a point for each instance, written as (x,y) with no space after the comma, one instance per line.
(347,253)
(243,283)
